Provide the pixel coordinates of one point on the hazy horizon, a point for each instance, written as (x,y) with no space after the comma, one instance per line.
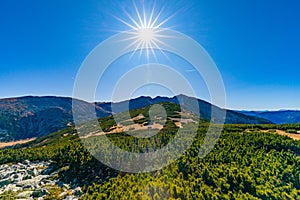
(135,97)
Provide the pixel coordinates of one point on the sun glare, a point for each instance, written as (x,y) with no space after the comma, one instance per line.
(146,30)
(146,35)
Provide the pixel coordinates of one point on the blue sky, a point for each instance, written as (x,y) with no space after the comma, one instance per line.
(255,45)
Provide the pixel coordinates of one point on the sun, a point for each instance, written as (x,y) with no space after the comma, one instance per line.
(146,35)
(146,30)
(146,39)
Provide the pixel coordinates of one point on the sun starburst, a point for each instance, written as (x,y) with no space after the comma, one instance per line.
(146,31)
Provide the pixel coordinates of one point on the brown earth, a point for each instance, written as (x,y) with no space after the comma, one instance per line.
(291,135)
(8,144)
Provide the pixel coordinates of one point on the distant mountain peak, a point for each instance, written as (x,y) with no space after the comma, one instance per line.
(52,113)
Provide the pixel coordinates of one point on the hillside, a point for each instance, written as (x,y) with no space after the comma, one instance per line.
(248,162)
(205,109)
(28,117)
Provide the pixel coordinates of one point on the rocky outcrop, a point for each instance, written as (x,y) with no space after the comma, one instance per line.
(34,180)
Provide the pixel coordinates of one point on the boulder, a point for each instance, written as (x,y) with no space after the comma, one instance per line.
(25,194)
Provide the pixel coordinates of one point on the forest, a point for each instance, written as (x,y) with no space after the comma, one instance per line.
(247,162)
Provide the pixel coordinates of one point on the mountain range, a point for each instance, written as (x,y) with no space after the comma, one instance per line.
(29,116)
(277,117)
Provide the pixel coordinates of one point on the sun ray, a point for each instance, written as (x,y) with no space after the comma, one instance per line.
(159,48)
(138,14)
(133,20)
(126,23)
(162,43)
(146,31)
(164,21)
(157,17)
(136,49)
(144,14)
(151,15)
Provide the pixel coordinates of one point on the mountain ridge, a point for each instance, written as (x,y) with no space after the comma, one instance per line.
(277,117)
(35,116)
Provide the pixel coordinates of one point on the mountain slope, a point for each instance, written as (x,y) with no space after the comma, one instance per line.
(205,108)
(277,117)
(236,168)
(244,164)
(27,117)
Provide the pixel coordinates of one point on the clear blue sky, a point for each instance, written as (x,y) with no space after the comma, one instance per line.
(255,44)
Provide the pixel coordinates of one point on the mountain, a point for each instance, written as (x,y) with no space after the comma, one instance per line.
(205,108)
(68,164)
(29,116)
(277,117)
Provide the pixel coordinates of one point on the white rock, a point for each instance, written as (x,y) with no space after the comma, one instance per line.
(35,172)
(62,194)
(25,194)
(71,198)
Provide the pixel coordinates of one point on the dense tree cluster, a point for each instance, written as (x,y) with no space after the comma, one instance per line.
(246,163)
(242,165)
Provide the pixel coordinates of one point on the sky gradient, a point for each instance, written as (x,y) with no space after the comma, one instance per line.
(255,45)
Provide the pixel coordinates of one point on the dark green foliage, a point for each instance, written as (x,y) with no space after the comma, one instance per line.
(292,131)
(244,164)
